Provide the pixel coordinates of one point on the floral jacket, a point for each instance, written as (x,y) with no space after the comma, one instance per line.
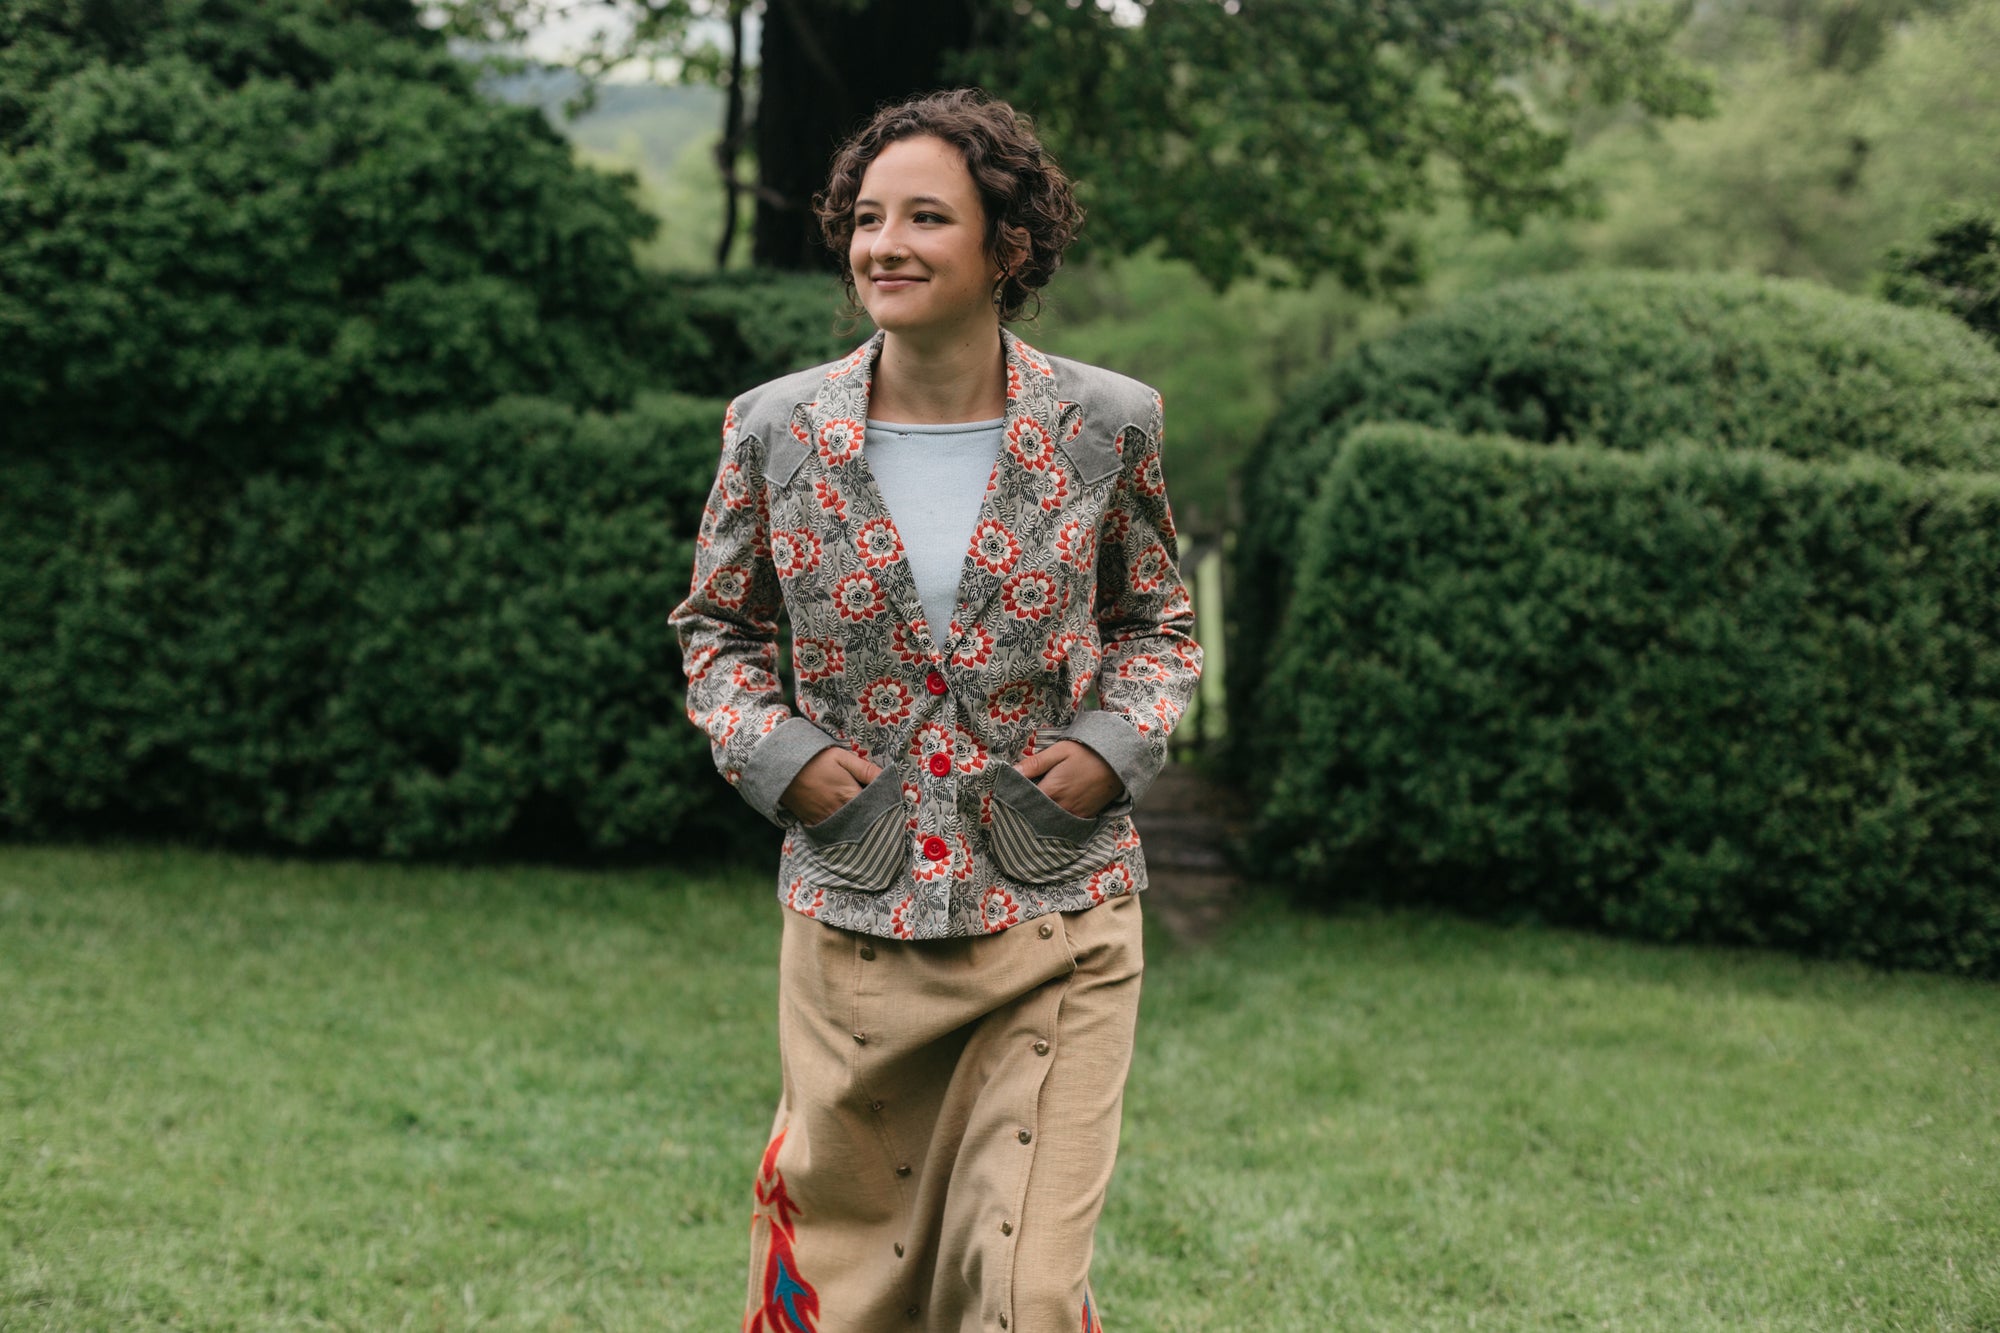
(1070,579)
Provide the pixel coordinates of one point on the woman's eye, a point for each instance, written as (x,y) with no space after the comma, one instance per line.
(865,219)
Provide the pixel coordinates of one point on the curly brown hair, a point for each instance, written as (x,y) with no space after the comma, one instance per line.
(1030,208)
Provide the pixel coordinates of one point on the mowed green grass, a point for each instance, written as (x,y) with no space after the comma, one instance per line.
(261,1094)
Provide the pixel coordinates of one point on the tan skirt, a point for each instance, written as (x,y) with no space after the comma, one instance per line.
(947,1128)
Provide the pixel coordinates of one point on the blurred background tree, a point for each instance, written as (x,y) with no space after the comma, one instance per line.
(1282,139)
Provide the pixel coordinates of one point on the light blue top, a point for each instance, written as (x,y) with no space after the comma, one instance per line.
(933,478)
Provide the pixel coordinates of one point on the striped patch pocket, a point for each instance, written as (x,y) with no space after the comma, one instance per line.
(1036,841)
(864,844)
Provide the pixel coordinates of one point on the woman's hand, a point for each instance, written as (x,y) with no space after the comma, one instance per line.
(1074,777)
(830,779)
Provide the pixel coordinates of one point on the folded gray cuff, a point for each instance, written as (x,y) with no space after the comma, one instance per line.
(1120,745)
(776,760)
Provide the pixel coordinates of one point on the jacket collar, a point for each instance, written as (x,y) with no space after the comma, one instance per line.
(1027,492)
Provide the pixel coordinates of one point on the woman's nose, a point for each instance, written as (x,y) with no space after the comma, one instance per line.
(888,242)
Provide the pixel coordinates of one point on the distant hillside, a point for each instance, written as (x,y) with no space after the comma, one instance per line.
(664,133)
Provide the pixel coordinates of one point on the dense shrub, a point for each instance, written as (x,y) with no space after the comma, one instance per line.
(452,638)
(1625,361)
(1956,270)
(732,330)
(243,231)
(1684,694)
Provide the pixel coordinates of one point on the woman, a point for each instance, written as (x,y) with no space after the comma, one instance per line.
(968,536)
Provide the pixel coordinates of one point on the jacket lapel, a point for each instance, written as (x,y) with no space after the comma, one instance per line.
(1026,492)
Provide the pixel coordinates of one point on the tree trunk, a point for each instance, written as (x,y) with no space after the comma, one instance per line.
(825,68)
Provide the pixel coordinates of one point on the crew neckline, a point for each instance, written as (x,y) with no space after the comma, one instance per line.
(933,427)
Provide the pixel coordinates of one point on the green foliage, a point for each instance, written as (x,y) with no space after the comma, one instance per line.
(1625,360)
(1682,694)
(733,330)
(1808,169)
(453,638)
(1291,139)
(247,231)
(1957,272)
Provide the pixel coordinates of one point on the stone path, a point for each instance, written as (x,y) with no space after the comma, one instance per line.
(1184,823)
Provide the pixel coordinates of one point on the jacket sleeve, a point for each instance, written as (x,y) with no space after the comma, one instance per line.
(1145,622)
(728,632)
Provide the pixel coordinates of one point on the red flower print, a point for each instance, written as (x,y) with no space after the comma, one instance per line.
(1187,654)
(1079,685)
(885,702)
(1013,382)
(997,909)
(899,918)
(1142,666)
(1166,710)
(806,898)
(794,551)
(1029,595)
(1177,603)
(749,676)
(816,659)
(986,807)
(904,643)
(829,497)
(1148,479)
(1029,443)
(735,491)
(839,440)
(1052,487)
(993,547)
(929,739)
(1148,569)
(1012,701)
(700,660)
(1035,363)
(729,585)
(773,719)
(721,722)
(858,596)
(880,545)
(974,648)
(1109,882)
(968,753)
(1128,839)
(1073,545)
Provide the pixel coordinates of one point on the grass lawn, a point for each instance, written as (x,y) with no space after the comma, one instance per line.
(257,1094)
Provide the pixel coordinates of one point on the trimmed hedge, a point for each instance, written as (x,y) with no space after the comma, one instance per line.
(729,331)
(451,638)
(1688,694)
(1624,360)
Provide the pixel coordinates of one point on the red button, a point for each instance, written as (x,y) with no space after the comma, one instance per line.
(940,764)
(935,682)
(935,849)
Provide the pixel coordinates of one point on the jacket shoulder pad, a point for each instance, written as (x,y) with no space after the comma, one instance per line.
(1112,403)
(766,413)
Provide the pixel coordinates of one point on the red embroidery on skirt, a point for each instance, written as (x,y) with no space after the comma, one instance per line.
(790,1304)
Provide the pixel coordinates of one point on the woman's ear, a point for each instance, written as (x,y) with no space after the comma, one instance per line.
(1013,250)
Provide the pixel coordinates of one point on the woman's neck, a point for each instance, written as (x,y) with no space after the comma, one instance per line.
(964,379)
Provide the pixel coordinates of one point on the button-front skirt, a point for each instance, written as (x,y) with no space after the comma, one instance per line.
(947,1127)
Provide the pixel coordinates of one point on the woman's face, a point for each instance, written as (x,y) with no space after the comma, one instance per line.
(919,247)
